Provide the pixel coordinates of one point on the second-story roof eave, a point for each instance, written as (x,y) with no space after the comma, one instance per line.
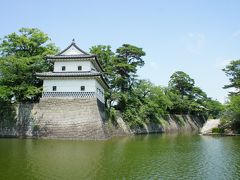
(50,57)
(68,74)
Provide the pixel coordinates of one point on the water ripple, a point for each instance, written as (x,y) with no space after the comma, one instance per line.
(138,157)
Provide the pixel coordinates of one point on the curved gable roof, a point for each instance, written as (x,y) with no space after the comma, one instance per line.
(73,52)
(72,49)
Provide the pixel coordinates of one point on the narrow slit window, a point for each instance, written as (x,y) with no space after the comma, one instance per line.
(79,68)
(82,88)
(54,88)
(63,68)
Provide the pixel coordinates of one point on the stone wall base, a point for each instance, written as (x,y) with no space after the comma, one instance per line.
(84,119)
(63,119)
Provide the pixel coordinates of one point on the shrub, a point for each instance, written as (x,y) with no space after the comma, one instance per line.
(218,130)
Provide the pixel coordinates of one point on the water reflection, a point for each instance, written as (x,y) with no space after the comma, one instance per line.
(167,156)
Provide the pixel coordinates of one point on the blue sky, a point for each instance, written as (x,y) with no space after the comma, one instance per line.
(197,37)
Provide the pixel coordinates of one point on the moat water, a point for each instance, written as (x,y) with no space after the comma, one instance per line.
(167,156)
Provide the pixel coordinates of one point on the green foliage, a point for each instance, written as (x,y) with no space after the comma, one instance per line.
(120,69)
(139,101)
(233,72)
(23,56)
(185,104)
(18,77)
(218,130)
(5,94)
(105,57)
(181,83)
(111,114)
(127,60)
(190,99)
(214,108)
(29,42)
(180,105)
(231,117)
(146,103)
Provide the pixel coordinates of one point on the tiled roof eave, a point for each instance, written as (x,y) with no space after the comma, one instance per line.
(67,74)
(70,57)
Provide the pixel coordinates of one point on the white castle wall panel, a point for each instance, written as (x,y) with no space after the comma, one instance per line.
(72,66)
(69,85)
(72,51)
(99,91)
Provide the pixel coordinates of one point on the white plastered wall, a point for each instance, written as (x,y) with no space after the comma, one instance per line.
(99,91)
(69,85)
(73,66)
(72,51)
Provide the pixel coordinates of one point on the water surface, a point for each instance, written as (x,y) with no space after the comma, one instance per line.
(167,156)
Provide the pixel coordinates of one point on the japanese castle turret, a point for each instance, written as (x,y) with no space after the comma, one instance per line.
(76,74)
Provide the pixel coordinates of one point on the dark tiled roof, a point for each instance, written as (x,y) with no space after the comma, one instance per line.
(72,44)
(71,56)
(82,56)
(68,74)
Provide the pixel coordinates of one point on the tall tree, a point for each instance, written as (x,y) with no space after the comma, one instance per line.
(145,103)
(190,99)
(126,62)
(181,83)
(233,72)
(231,117)
(104,54)
(120,69)
(105,57)
(23,56)
(27,43)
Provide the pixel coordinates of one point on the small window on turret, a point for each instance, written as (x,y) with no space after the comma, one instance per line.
(54,88)
(63,68)
(79,68)
(82,88)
